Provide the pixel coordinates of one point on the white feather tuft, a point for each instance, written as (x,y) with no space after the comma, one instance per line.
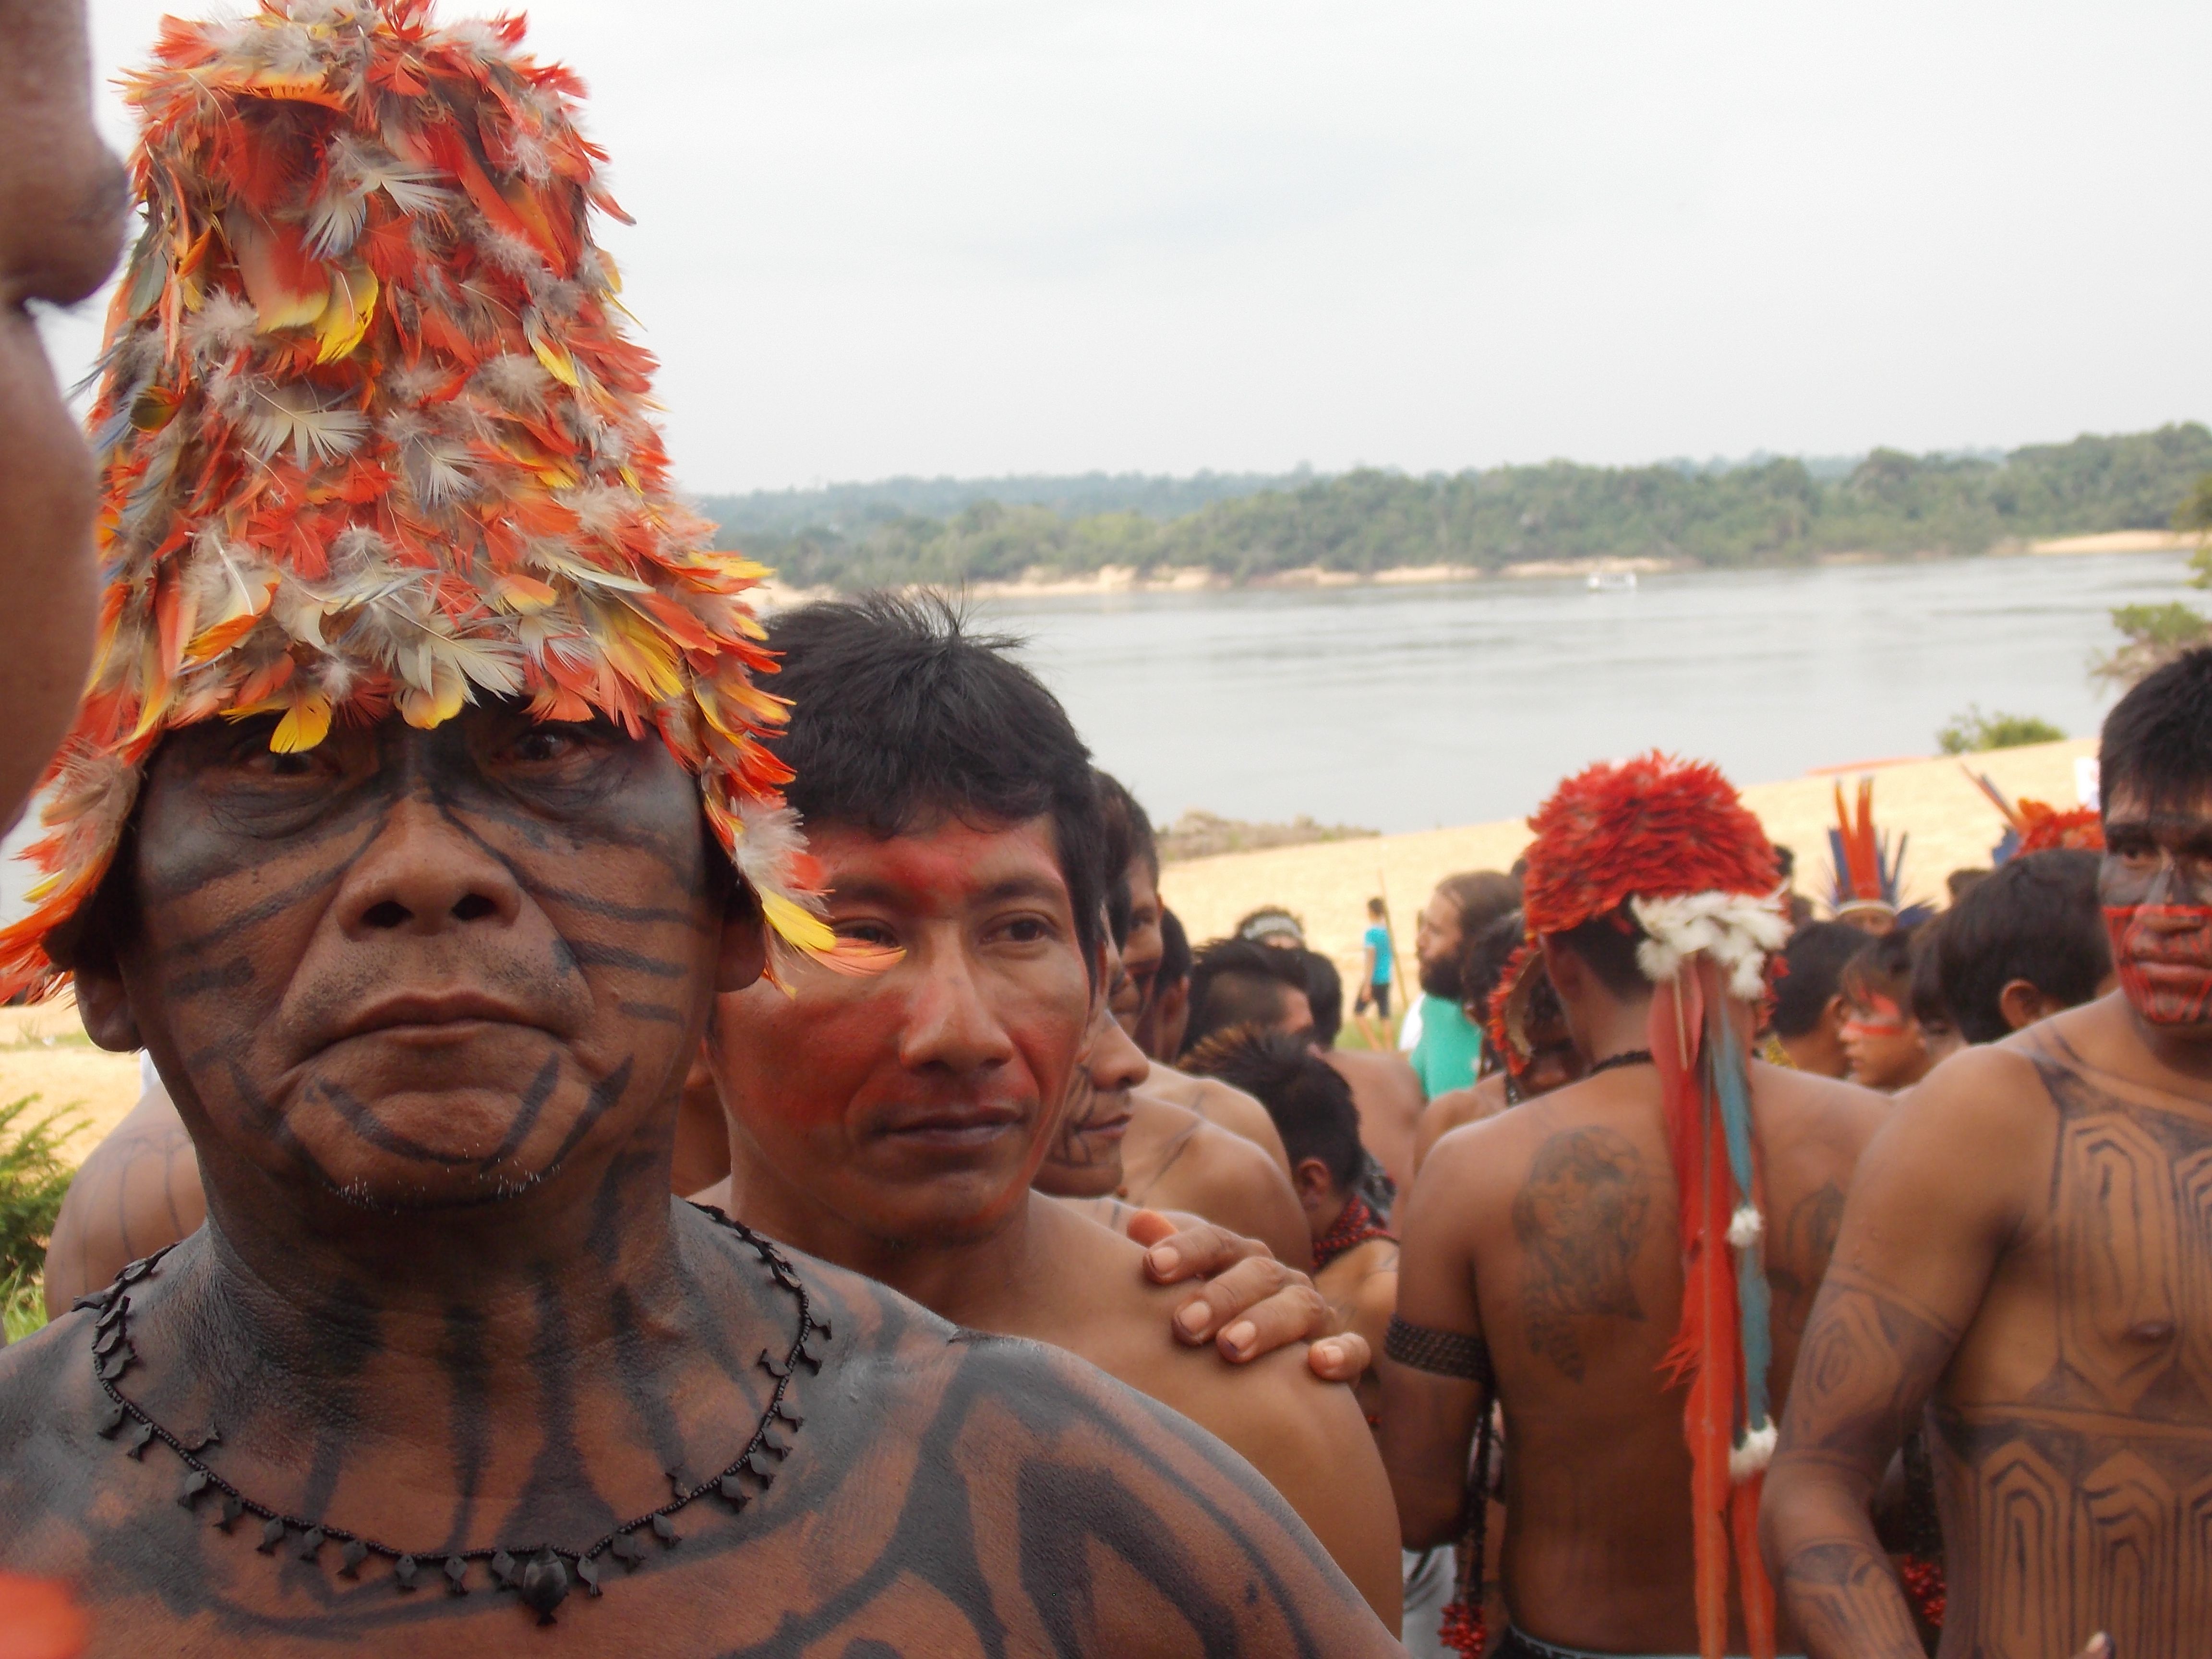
(1746,1227)
(1752,1454)
(1737,930)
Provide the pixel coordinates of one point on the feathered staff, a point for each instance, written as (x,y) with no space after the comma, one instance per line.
(372,438)
(1671,847)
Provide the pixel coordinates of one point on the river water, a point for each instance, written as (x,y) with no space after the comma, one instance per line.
(1399,708)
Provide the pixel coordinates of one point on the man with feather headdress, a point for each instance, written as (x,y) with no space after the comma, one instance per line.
(416,814)
(1625,1264)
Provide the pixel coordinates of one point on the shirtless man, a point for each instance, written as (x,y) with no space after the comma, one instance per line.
(1134,905)
(62,203)
(1543,1248)
(2022,1267)
(893,1123)
(424,976)
(1551,1060)
(1355,1258)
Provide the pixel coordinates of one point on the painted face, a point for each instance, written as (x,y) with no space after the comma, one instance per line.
(916,1103)
(2156,887)
(1085,1160)
(421,969)
(1883,1043)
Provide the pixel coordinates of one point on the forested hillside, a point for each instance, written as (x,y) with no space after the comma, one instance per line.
(1768,513)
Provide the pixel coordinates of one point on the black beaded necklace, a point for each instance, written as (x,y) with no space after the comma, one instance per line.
(539,1574)
(1615,1062)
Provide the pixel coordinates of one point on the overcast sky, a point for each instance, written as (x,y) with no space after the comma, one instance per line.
(972,236)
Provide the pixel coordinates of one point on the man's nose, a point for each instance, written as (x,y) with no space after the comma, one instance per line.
(950,1022)
(1115,1063)
(424,874)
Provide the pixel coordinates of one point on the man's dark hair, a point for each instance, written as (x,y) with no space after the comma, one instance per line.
(2036,919)
(1128,830)
(900,713)
(1482,959)
(1479,898)
(1174,949)
(1931,1005)
(1608,944)
(1240,981)
(1309,1101)
(1325,996)
(2157,741)
(1882,966)
(1814,972)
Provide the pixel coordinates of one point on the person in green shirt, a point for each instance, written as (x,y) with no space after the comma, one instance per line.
(1450,1044)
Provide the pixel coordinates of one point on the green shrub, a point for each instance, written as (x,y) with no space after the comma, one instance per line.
(1972,732)
(33,1176)
(2157,634)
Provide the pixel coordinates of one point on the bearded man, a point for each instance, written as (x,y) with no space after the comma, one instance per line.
(1625,1264)
(2022,1267)
(415,816)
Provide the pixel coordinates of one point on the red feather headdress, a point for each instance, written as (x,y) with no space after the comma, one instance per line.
(1669,844)
(2049,829)
(372,437)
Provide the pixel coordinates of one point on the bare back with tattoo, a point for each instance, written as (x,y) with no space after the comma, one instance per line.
(1552,1229)
(2031,1262)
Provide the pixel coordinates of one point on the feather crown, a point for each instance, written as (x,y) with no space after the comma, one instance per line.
(1652,828)
(1868,872)
(372,437)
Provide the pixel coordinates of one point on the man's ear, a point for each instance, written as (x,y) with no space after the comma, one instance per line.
(1312,1178)
(2022,1004)
(1835,1013)
(744,955)
(1567,972)
(105,1007)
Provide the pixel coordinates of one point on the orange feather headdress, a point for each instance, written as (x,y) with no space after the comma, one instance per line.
(2034,826)
(1665,848)
(372,437)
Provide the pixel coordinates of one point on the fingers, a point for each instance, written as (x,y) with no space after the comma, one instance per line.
(2101,1646)
(1340,1359)
(1257,1306)
(1150,1227)
(1195,1253)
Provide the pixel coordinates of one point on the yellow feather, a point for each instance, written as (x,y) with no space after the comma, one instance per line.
(305,723)
(346,318)
(798,924)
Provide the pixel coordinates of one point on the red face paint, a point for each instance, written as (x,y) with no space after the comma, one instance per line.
(2163,956)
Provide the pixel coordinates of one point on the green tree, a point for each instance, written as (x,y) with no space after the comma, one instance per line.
(1974,731)
(2155,636)
(2195,514)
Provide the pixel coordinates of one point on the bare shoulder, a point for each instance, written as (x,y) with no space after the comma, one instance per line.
(1043,1457)
(1387,1073)
(1813,1129)
(1240,1114)
(49,1425)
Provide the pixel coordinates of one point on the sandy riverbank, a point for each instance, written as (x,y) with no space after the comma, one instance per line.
(1040,584)
(1951,824)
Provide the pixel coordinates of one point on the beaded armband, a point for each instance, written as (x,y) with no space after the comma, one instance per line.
(1442,1353)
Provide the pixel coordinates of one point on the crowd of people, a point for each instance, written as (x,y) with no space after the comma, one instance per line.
(701,1133)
